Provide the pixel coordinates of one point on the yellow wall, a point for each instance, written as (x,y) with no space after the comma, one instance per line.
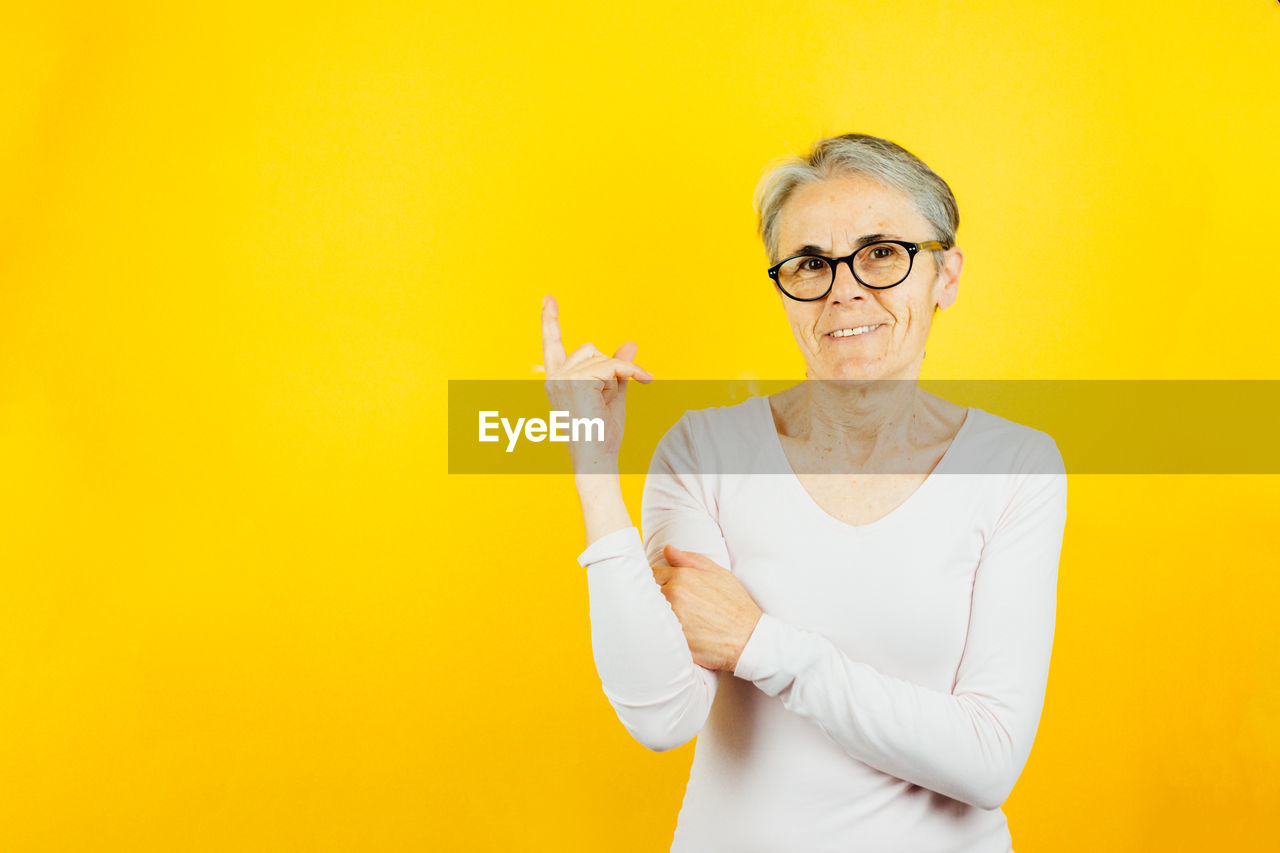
(242,250)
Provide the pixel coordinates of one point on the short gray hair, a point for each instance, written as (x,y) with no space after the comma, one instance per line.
(856,154)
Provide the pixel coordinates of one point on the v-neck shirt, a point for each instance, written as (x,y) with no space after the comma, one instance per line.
(888,697)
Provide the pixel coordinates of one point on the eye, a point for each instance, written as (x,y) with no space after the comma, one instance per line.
(813,264)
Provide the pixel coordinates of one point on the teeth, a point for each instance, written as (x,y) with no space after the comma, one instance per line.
(844,333)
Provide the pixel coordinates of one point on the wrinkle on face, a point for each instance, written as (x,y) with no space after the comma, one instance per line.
(835,215)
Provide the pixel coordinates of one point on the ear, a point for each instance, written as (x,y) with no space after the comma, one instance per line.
(949,277)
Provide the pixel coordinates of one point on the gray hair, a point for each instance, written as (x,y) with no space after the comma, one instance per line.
(856,154)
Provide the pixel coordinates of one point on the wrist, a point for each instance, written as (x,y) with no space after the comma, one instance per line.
(745,638)
(598,482)
(596,466)
(603,509)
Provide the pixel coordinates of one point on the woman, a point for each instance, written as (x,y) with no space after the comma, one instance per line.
(862,642)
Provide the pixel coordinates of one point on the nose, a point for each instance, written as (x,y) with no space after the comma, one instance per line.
(846,288)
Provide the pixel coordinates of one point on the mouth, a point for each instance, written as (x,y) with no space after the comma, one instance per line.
(853,332)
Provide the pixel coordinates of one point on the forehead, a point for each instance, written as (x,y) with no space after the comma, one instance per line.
(836,212)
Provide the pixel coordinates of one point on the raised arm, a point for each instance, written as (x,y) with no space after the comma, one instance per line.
(972,743)
(645,666)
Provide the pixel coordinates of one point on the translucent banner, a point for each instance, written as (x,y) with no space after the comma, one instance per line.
(1100,426)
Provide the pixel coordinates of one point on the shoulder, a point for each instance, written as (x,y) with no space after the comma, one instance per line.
(741,417)
(1029,486)
(997,445)
(721,439)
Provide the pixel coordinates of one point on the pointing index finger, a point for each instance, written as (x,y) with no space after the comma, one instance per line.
(553,355)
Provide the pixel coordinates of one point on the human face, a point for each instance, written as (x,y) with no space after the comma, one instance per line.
(834,218)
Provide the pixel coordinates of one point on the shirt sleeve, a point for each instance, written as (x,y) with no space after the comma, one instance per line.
(972,743)
(646,668)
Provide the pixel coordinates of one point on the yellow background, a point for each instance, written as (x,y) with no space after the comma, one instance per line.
(243,248)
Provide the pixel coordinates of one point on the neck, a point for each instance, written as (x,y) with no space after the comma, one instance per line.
(861,421)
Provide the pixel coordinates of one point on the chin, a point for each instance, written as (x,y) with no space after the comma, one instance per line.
(852,372)
(862,368)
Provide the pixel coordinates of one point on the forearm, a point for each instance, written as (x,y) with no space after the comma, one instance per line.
(971,741)
(955,744)
(600,491)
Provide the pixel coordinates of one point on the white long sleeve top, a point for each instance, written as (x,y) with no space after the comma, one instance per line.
(888,698)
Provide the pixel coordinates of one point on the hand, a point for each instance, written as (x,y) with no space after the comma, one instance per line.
(588,384)
(714,608)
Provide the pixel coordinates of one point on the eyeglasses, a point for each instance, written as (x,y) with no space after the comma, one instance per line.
(879,266)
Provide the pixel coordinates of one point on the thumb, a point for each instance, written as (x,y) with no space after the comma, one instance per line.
(676,557)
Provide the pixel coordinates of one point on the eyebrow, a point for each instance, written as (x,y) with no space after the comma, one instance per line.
(865,239)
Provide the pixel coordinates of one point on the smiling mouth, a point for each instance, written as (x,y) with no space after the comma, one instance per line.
(856,331)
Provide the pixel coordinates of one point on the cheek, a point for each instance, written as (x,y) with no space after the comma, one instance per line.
(799,320)
(912,314)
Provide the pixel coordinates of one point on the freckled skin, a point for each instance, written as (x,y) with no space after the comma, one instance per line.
(833,214)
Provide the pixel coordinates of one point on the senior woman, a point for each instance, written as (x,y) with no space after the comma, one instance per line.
(862,641)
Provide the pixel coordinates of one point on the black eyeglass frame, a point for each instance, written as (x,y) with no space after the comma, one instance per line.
(833,263)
